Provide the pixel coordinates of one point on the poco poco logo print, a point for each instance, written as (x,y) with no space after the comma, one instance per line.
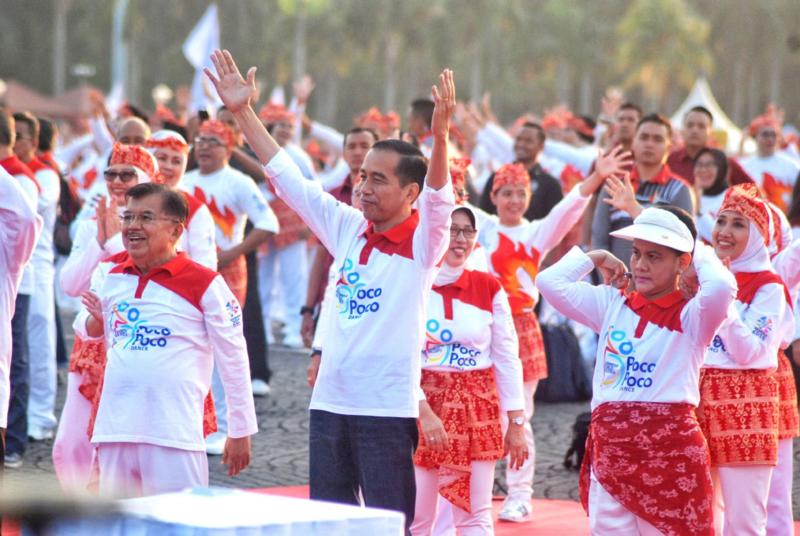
(717,345)
(354,298)
(439,349)
(131,332)
(763,327)
(234,312)
(621,369)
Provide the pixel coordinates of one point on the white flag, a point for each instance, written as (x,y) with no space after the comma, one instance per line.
(197,48)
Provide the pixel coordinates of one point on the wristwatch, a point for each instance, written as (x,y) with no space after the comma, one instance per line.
(519,421)
(306,310)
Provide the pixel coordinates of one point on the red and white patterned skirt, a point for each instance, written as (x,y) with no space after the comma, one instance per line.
(235,275)
(88,358)
(653,459)
(739,415)
(469,408)
(789,420)
(531,347)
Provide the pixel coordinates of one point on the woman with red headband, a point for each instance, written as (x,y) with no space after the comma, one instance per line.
(646,469)
(515,248)
(739,408)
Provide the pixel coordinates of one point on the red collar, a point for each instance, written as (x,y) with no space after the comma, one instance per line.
(15,166)
(662,177)
(400,232)
(664,312)
(36,165)
(172,266)
(461,283)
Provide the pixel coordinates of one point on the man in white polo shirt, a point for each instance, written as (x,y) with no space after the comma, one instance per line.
(364,407)
(166,321)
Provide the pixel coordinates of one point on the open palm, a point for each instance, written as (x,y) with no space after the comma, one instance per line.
(235,91)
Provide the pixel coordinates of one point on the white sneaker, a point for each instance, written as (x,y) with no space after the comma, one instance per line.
(40,434)
(215,444)
(515,511)
(260,387)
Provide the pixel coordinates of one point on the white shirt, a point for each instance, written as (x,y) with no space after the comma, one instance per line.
(162,332)
(775,175)
(232,197)
(707,217)
(470,327)
(374,335)
(47,207)
(515,253)
(19,230)
(639,360)
(27,285)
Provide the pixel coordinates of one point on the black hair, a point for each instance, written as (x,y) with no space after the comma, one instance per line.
(175,127)
(537,127)
(701,109)
(423,108)
(360,130)
(173,203)
(7,133)
(591,123)
(470,215)
(47,135)
(685,218)
(33,124)
(720,183)
(628,105)
(657,119)
(412,167)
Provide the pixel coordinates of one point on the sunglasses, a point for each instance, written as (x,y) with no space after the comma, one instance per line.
(123,176)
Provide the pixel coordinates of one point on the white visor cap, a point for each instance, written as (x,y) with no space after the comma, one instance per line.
(659,227)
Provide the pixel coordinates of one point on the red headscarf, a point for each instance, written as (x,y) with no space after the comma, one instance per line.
(138,157)
(215,127)
(511,174)
(746,199)
(275,113)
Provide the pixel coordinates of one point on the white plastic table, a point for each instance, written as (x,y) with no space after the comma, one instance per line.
(227,512)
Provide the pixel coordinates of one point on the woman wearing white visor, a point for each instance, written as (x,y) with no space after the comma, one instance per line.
(646,469)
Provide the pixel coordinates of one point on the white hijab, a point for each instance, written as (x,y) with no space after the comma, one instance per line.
(755,257)
(450,274)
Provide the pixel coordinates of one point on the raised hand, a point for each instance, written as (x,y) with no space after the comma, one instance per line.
(93,305)
(303,88)
(614,162)
(613,270)
(444,100)
(621,195)
(236,92)
(611,102)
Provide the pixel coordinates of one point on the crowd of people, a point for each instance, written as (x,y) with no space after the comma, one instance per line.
(414,259)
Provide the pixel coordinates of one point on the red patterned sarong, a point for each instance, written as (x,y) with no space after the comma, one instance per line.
(738,413)
(789,418)
(468,406)
(531,347)
(88,358)
(235,275)
(653,459)
(292,227)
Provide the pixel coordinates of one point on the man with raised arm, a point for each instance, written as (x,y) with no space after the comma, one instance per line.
(364,406)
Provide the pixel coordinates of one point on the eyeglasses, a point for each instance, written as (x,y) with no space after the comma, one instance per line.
(202,140)
(124,176)
(703,165)
(468,232)
(146,219)
(22,136)
(767,134)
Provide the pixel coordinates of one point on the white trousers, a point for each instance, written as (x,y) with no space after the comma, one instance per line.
(72,450)
(476,523)
(607,517)
(288,267)
(42,353)
(743,491)
(520,481)
(780,521)
(137,469)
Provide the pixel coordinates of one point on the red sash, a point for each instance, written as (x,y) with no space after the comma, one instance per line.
(653,459)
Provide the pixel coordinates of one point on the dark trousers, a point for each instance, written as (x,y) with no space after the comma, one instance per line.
(253,325)
(62,357)
(373,454)
(17,430)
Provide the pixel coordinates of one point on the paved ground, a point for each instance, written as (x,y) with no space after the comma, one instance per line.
(281,447)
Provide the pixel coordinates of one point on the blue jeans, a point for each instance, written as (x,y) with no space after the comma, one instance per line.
(373,454)
(17,431)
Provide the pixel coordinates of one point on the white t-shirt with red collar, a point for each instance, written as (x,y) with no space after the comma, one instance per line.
(775,175)
(469,328)
(649,351)
(375,330)
(162,332)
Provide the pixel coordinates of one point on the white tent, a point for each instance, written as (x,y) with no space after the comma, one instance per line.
(725,131)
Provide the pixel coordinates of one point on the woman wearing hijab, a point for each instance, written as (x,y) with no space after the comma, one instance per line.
(739,409)
(711,183)
(471,373)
